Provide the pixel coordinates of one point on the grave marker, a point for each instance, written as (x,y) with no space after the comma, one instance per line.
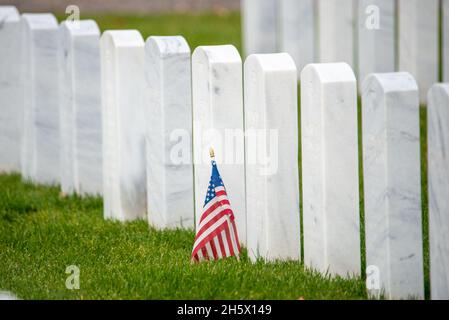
(271,111)
(122,78)
(169,133)
(418,42)
(376,37)
(11,95)
(336,31)
(438,182)
(259,26)
(330,168)
(297,31)
(80,108)
(217,93)
(40,143)
(392,184)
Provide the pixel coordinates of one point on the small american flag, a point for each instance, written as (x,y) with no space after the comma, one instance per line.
(216,235)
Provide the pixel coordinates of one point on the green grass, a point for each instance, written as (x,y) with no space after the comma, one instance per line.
(197,29)
(425,200)
(41,234)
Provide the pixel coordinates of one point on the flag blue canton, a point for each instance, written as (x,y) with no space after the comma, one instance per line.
(215,181)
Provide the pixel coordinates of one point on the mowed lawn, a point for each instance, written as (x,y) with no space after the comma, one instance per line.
(197,29)
(41,234)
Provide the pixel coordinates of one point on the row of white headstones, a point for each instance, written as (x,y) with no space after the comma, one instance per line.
(362,33)
(97,115)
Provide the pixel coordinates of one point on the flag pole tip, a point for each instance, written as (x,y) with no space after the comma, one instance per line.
(211,152)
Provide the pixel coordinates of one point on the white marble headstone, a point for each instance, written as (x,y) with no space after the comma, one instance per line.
(259,21)
(418,42)
(330,175)
(8,13)
(11,95)
(40,143)
(169,132)
(336,25)
(376,37)
(272,174)
(7,295)
(217,95)
(392,183)
(445,38)
(123,112)
(80,108)
(297,31)
(438,184)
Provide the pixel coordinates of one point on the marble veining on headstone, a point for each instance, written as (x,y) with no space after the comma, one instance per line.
(169,133)
(392,183)
(438,186)
(123,114)
(272,193)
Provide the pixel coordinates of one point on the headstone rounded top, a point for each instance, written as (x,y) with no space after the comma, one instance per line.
(81,27)
(123,38)
(330,72)
(271,62)
(439,88)
(393,81)
(8,13)
(40,20)
(217,54)
(168,45)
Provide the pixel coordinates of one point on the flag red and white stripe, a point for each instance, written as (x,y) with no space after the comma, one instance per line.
(216,236)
